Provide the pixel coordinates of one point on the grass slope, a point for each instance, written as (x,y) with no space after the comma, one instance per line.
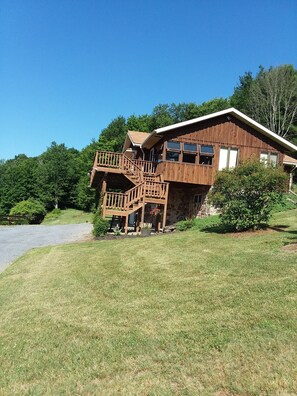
(67,216)
(189,313)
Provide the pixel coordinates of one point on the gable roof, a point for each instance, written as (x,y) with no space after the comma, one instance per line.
(157,133)
(136,138)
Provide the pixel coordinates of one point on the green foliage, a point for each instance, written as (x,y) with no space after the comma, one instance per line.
(100,225)
(17,181)
(184,225)
(270,98)
(33,209)
(247,194)
(288,202)
(58,174)
(112,137)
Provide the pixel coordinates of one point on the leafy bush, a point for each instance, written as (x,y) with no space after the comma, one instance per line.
(33,209)
(247,194)
(184,225)
(100,225)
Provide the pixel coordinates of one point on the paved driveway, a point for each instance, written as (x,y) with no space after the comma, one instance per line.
(16,240)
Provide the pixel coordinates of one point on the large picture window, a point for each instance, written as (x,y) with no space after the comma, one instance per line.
(228,158)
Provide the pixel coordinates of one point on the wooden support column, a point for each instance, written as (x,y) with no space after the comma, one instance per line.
(103,192)
(126,224)
(142,216)
(165,208)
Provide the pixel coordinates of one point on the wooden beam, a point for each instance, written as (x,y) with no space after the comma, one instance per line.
(103,192)
(142,216)
(126,224)
(165,208)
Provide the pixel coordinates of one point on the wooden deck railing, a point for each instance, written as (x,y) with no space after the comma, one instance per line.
(148,167)
(113,200)
(110,159)
(124,201)
(156,190)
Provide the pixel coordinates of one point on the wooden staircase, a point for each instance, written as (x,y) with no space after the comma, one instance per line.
(148,186)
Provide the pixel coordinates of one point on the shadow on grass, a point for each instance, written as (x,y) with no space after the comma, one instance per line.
(222,229)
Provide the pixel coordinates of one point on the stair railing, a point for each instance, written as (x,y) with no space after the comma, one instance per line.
(134,195)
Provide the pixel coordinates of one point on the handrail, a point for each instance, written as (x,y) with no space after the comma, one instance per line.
(123,201)
(134,194)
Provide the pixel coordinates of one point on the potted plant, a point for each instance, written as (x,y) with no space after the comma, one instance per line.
(146,229)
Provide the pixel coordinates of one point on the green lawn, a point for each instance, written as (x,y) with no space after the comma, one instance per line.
(67,216)
(192,313)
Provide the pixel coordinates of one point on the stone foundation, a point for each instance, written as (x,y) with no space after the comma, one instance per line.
(182,203)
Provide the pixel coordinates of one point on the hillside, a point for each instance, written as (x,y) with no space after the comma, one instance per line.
(187,313)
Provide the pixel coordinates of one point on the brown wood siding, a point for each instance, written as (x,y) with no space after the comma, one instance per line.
(224,131)
(186,173)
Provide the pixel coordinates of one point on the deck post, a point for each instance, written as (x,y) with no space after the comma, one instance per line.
(103,192)
(165,208)
(126,224)
(142,216)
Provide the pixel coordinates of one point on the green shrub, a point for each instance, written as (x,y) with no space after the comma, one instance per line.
(184,225)
(247,194)
(31,208)
(54,214)
(100,226)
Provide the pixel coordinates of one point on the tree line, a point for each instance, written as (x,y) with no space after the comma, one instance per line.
(59,177)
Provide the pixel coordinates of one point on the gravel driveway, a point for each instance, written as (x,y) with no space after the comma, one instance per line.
(16,240)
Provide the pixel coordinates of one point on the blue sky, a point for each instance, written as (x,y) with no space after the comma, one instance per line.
(68,67)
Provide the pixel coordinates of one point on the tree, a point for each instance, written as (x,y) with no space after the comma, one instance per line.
(246,194)
(114,134)
(273,98)
(270,98)
(241,96)
(17,181)
(58,174)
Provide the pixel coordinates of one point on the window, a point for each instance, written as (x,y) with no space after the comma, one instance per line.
(198,199)
(189,158)
(171,145)
(268,158)
(190,147)
(189,153)
(207,150)
(173,150)
(228,158)
(206,155)
(172,156)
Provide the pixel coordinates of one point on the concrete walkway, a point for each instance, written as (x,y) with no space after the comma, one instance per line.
(16,240)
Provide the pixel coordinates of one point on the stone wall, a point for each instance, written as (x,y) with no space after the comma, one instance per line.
(182,203)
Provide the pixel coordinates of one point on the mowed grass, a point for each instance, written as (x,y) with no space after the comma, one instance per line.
(68,216)
(191,313)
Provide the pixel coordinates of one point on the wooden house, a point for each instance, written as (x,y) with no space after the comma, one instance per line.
(165,176)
